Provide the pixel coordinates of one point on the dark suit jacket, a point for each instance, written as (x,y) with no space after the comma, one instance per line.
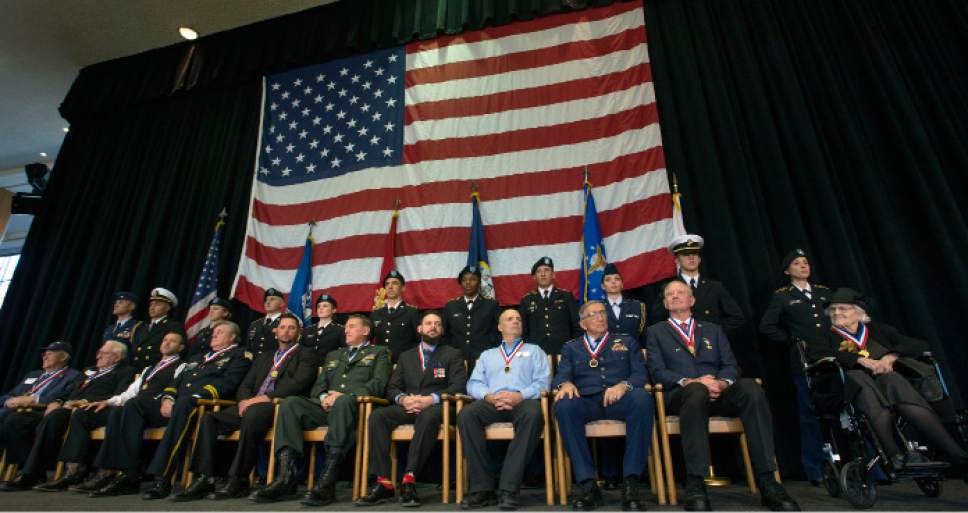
(296,374)
(472,331)
(669,360)
(713,304)
(56,388)
(829,344)
(110,384)
(445,373)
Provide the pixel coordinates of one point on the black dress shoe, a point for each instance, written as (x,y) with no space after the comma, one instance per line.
(695,498)
(21,482)
(632,495)
(233,489)
(408,496)
(200,487)
(159,490)
(69,478)
(587,499)
(507,501)
(479,500)
(319,496)
(95,482)
(377,495)
(774,497)
(123,484)
(612,484)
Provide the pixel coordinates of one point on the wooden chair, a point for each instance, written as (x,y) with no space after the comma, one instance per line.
(505,431)
(216,405)
(8,471)
(405,433)
(669,425)
(318,435)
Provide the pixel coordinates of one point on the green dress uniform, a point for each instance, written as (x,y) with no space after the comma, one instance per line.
(396,329)
(259,338)
(353,372)
(550,322)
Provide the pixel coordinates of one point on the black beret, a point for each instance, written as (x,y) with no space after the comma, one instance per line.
(394,274)
(791,256)
(326,298)
(273,292)
(469,269)
(543,261)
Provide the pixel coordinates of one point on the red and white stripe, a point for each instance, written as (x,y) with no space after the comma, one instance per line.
(519,110)
(197,318)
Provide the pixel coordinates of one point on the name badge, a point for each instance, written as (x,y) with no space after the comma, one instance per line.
(89,372)
(524,354)
(30,381)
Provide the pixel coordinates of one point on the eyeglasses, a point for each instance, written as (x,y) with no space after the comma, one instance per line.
(597,313)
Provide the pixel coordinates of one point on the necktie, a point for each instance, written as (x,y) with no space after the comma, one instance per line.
(545,293)
(616,309)
(808,294)
(426,357)
(267,321)
(352,353)
(689,343)
(692,283)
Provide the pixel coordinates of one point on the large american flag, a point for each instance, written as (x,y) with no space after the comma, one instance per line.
(518,111)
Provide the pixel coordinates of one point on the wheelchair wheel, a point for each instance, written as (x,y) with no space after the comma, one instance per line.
(830,479)
(858,486)
(930,486)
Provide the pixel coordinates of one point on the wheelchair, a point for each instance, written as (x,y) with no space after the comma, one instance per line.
(854,459)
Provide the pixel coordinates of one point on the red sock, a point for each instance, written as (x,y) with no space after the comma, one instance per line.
(384,482)
(409,479)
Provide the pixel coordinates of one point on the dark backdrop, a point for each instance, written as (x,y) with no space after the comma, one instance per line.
(839,127)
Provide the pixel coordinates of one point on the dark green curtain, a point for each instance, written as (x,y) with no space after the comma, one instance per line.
(838,127)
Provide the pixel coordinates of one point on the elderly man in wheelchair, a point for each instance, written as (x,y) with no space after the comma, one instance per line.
(866,375)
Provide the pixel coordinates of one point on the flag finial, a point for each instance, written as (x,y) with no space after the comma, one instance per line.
(587,174)
(675,183)
(223,214)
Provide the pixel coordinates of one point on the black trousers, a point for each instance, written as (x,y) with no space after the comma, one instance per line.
(384,420)
(528,423)
(254,425)
(124,434)
(178,437)
(18,433)
(50,434)
(77,445)
(744,399)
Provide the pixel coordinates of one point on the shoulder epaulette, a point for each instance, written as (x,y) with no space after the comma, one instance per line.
(782,289)
(821,286)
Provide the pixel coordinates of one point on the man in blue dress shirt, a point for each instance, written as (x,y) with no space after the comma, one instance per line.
(602,376)
(507,383)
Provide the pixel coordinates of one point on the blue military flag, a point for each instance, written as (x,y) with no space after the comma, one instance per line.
(301,292)
(477,249)
(593,251)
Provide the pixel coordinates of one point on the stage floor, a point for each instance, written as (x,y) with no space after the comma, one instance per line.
(898,497)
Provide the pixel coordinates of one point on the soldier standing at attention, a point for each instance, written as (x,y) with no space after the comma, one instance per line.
(261,335)
(395,323)
(549,314)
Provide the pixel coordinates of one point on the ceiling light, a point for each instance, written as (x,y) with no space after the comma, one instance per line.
(187,33)
(66,129)
(43,154)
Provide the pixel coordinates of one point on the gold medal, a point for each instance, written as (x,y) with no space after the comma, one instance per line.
(507,368)
(593,363)
(144,387)
(863,353)
(274,374)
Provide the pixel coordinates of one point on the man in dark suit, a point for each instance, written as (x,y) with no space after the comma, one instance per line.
(359,369)
(327,334)
(219,309)
(421,376)
(75,452)
(713,302)
(602,375)
(470,321)
(395,323)
(146,339)
(694,362)
(20,414)
(550,314)
(110,376)
(124,324)
(625,315)
(289,371)
(261,335)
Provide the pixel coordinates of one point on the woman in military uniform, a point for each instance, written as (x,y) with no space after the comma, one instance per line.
(883,377)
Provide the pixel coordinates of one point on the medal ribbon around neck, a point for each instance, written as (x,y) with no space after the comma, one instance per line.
(592,347)
(514,352)
(160,366)
(216,354)
(687,338)
(43,384)
(278,360)
(96,376)
(860,340)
